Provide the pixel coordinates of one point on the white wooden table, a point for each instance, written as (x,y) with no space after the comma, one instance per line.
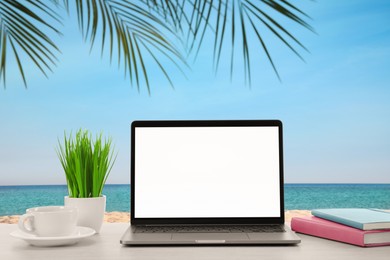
(106,246)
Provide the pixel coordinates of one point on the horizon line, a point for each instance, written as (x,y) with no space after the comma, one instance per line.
(298,183)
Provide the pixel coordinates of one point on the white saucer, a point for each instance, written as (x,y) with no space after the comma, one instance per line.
(80,233)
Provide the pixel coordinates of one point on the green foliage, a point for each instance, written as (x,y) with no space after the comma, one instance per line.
(26,35)
(141,33)
(86,162)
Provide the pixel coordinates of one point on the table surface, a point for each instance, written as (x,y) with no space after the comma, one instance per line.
(106,246)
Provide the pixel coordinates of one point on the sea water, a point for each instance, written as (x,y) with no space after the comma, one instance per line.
(15,199)
(315,196)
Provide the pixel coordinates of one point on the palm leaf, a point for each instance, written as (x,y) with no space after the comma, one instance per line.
(237,21)
(23,27)
(255,18)
(129,27)
(130,30)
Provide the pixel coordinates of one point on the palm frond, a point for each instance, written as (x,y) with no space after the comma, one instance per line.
(256,19)
(24,30)
(234,23)
(131,30)
(128,28)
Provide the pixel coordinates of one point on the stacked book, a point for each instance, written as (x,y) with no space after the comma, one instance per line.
(362,227)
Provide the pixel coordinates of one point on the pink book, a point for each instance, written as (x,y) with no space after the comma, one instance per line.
(331,230)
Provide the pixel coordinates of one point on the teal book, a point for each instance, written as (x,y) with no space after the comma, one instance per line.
(364,219)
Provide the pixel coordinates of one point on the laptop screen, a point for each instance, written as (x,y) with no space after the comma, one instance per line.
(206,170)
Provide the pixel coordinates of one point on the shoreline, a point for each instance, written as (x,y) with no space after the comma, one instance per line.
(124,217)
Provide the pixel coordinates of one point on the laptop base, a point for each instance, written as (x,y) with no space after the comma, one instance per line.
(132,238)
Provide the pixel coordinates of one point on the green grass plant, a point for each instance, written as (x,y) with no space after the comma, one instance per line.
(86,162)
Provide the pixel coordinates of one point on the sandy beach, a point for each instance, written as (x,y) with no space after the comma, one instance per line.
(115,217)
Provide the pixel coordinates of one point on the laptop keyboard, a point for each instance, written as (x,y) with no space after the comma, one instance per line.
(211,229)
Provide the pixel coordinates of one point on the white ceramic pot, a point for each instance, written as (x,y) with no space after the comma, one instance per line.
(91,211)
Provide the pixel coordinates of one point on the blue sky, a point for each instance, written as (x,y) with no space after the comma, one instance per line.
(335,106)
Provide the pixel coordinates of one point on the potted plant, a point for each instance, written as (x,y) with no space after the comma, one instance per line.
(87,164)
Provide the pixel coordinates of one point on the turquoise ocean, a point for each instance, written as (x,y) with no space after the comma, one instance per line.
(15,199)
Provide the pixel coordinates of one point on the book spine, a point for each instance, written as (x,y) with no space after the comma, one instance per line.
(333,232)
(338,220)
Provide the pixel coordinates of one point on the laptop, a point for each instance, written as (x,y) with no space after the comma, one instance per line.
(207,183)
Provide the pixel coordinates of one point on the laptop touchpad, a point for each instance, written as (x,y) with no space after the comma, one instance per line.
(209,237)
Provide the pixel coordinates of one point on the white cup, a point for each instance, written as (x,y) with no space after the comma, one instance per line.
(50,221)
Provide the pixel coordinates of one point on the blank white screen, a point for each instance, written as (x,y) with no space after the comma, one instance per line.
(208,172)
